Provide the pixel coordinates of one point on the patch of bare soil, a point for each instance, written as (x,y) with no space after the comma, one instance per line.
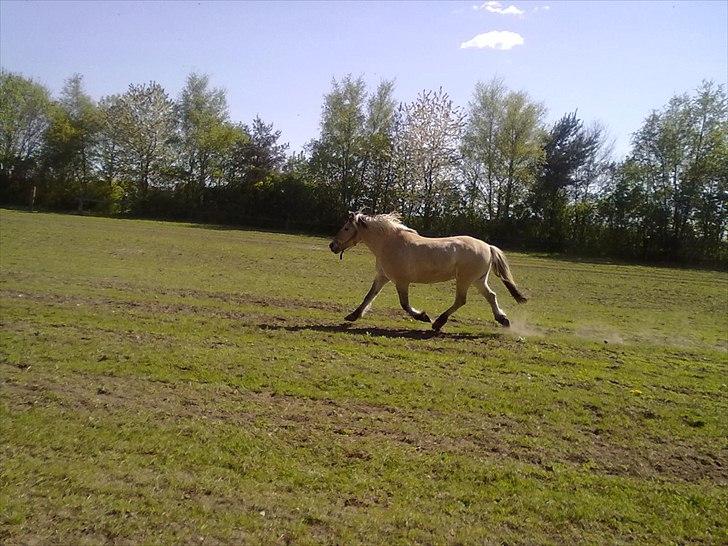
(155,306)
(228,297)
(304,420)
(263,320)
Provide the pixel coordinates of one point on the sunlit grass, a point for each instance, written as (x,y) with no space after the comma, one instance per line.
(171,383)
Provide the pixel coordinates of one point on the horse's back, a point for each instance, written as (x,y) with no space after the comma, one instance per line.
(463,246)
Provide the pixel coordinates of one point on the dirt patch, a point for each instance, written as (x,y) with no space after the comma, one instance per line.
(155,306)
(148,306)
(302,419)
(227,297)
(263,320)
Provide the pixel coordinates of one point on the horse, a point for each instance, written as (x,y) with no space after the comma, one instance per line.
(405,257)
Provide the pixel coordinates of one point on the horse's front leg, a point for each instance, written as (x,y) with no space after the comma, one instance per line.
(403,292)
(377,285)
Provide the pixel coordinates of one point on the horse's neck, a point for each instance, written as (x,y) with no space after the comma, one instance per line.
(375,240)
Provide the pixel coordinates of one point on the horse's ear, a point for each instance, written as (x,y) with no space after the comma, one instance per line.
(352,216)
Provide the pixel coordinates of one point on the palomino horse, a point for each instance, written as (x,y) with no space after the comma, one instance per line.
(405,257)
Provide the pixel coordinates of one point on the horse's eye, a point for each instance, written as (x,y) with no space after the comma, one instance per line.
(346,229)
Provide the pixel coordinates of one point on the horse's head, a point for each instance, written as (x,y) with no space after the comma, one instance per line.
(350,233)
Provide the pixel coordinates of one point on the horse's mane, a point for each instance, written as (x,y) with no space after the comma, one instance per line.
(386,222)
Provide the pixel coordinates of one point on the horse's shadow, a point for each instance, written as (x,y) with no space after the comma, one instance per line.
(373,331)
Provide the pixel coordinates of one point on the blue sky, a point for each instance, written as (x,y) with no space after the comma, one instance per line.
(613,61)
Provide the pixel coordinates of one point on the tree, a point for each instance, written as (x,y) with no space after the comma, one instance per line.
(428,155)
(708,172)
(206,135)
(481,151)
(142,124)
(378,171)
(496,173)
(681,153)
(337,156)
(70,155)
(108,150)
(256,158)
(260,153)
(24,117)
(569,151)
(520,146)
(621,208)
(502,147)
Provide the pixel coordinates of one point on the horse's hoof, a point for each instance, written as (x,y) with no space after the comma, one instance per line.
(439,323)
(423,317)
(351,317)
(503,320)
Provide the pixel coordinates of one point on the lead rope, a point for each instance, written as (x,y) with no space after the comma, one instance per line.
(341,255)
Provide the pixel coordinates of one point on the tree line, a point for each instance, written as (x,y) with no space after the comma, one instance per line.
(494,168)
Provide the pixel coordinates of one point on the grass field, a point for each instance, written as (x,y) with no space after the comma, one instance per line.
(172,383)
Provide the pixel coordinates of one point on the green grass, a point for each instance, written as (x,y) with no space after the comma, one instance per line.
(170,383)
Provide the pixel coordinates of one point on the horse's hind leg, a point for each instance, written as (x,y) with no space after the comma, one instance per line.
(377,285)
(482,285)
(403,292)
(461,295)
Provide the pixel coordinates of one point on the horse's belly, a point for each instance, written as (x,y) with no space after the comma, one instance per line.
(432,274)
(438,276)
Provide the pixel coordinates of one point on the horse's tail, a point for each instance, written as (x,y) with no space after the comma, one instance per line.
(500,264)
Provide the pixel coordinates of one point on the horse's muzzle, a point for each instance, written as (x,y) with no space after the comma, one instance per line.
(334,246)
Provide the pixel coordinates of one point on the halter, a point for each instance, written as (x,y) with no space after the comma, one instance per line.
(341,254)
(356,230)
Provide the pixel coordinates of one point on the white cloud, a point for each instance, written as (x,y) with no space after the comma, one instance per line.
(511,10)
(496,7)
(495,39)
